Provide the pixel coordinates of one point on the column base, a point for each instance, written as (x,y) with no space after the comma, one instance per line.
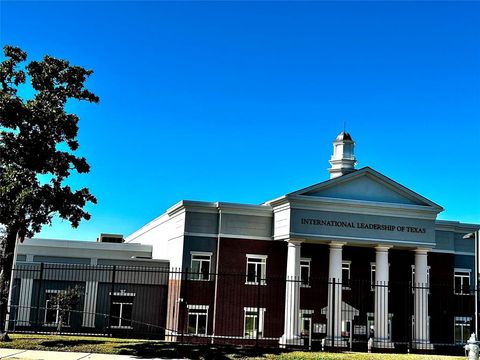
(383,344)
(290,340)
(171,336)
(19,323)
(338,342)
(422,345)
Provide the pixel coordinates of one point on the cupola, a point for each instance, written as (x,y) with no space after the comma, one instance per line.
(343,159)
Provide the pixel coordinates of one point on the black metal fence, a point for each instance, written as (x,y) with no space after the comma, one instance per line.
(112,300)
(201,307)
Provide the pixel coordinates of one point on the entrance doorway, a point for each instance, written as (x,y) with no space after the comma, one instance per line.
(306,326)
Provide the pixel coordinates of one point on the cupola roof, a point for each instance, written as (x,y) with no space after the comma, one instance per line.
(344,136)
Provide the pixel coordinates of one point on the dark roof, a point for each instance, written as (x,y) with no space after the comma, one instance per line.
(343,136)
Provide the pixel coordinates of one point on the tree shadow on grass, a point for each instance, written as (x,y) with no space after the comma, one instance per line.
(194,352)
(70,343)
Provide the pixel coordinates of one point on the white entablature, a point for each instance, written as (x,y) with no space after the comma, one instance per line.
(363,206)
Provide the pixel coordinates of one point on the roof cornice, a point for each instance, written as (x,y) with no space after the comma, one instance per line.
(445,225)
(215,207)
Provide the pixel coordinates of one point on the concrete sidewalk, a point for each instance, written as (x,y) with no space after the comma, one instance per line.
(15,354)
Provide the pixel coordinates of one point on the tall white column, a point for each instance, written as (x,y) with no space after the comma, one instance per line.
(90,304)
(24,302)
(382,277)
(291,334)
(421,335)
(334,314)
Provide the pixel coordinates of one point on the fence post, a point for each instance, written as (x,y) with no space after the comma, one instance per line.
(182,309)
(112,291)
(259,283)
(40,279)
(410,325)
(332,311)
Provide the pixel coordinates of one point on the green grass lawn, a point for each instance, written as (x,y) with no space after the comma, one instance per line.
(144,348)
(357,356)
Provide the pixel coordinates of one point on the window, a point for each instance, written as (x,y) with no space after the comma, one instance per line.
(200,266)
(305,272)
(197,319)
(306,322)
(346,328)
(414,284)
(372,276)
(253,322)
(256,269)
(462,329)
(346,274)
(52,310)
(462,281)
(121,313)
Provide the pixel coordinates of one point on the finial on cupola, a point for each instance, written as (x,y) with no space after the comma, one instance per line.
(343,159)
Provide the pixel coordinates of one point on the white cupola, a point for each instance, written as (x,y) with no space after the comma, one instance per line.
(343,159)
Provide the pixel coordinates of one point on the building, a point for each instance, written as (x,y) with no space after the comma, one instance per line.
(358,226)
(325,263)
(116,282)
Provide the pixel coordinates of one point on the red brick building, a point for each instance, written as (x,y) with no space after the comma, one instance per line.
(353,257)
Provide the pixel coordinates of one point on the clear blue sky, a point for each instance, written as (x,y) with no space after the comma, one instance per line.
(240,101)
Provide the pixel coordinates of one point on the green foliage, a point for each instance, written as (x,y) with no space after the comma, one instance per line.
(37,138)
(32,134)
(67,300)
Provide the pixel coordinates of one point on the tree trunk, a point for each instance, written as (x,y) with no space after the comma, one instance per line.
(7,248)
(60,323)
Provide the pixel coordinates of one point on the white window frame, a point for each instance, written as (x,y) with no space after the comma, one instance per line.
(306,314)
(254,259)
(373,273)
(199,276)
(120,318)
(260,330)
(193,310)
(455,275)
(458,320)
(305,263)
(57,310)
(346,265)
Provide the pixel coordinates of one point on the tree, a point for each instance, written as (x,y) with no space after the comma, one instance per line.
(38,139)
(64,302)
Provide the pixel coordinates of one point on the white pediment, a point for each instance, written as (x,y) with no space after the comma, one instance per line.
(348,311)
(368,185)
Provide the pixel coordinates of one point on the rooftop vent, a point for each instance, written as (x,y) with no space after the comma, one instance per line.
(110,238)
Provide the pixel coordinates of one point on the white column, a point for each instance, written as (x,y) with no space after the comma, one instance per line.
(24,302)
(381,298)
(90,304)
(291,334)
(334,314)
(421,335)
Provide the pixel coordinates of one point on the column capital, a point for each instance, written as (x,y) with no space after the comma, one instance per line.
(336,244)
(422,251)
(382,248)
(294,242)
